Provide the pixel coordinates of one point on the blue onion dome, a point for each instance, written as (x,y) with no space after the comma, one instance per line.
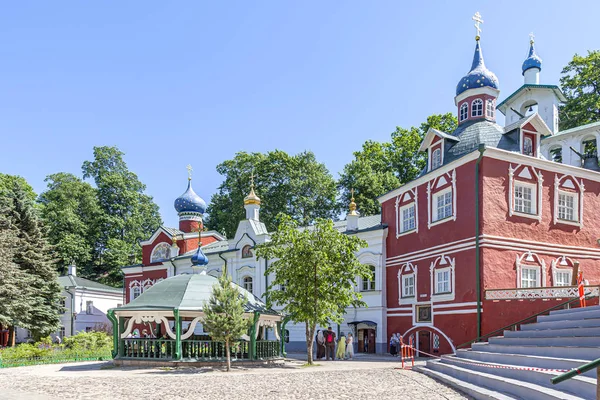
(478,76)
(532,60)
(190,202)
(199,258)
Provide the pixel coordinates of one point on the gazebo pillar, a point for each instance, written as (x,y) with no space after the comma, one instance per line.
(177,335)
(253,336)
(115,325)
(282,336)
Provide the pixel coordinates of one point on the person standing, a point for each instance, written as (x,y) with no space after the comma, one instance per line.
(341,348)
(320,342)
(349,346)
(329,335)
(394,342)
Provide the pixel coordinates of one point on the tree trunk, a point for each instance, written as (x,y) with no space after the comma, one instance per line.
(12,333)
(310,332)
(227,351)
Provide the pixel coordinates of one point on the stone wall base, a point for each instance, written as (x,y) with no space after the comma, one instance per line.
(184,364)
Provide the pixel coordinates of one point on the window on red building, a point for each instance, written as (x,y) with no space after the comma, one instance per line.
(464,112)
(477,108)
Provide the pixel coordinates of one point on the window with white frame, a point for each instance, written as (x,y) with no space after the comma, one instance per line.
(135,292)
(368,284)
(407,218)
(530,277)
(442,281)
(442,205)
(489,108)
(562,277)
(436,158)
(524,198)
(408,285)
(567,206)
(477,108)
(63,305)
(527,146)
(464,111)
(247,283)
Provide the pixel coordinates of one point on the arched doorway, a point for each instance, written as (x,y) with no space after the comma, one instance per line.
(365,333)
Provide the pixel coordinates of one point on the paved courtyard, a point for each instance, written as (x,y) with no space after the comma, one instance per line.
(363,378)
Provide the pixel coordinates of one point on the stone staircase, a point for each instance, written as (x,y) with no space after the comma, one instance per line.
(514,366)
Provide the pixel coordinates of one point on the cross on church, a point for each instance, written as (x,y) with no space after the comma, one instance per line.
(189,170)
(478,20)
(252,178)
(531,37)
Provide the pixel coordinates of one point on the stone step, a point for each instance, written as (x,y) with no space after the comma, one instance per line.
(525,360)
(570,316)
(589,323)
(568,332)
(574,310)
(578,386)
(475,391)
(508,386)
(585,341)
(579,353)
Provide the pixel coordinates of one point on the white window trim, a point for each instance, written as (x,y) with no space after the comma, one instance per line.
(405,277)
(473,108)
(430,221)
(399,214)
(434,211)
(243,284)
(408,267)
(541,267)
(537,272)
(401,222)
(580,191)
(436,279)
(534,198)
(362,280)
(557,268)
(451,262)
(430,153)
(433,157)
(536,193)
(464,105)
(492,113)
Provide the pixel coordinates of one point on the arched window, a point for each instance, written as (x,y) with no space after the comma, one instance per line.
(477,108)
(246,251)
(135,292)
(160,252)
(464,111)
(489,108)
(436,158)
(368,284)
(247,283)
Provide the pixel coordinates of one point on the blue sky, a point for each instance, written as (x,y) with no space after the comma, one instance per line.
(191,82)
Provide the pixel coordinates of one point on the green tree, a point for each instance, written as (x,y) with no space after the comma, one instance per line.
(297,185)
(128,215)
(34,257)
(380,167)
(318,267)
(581,85)
(71,211)
(224,314)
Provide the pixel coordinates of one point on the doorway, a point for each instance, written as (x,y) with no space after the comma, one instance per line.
(424,342)
(366,340)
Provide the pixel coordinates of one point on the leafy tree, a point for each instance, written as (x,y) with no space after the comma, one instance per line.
(71,211)
(224,314)
(297,185)
(318,267)
(581,85)
(34,257)
(380,167)
(128,215)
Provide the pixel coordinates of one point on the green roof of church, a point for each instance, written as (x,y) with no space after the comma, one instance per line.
(188,292)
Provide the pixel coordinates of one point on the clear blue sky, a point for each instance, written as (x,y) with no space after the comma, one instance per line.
(172,83)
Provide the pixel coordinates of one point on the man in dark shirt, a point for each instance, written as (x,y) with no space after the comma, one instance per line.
(329,335)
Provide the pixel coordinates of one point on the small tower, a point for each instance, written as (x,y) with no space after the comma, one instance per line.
(477,91)
(252,202)
(353,215)
(532,65)
(190,207)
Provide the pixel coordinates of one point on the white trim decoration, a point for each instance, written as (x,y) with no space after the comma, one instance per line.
(537,194)
(562,265)
(580,190)
(409,269)
(446,263)
(554,292)
(399,219)
(539,267)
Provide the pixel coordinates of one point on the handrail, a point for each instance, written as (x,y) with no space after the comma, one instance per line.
(520,322)
(575,371)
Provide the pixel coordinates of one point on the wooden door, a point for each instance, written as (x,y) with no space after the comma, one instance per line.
(424,343)
(371,340)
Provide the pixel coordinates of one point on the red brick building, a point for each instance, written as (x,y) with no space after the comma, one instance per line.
(490,232)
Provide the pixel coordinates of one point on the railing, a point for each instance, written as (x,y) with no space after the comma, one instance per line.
(148,348)
(266,349)
(576,371)
(56,358)
(515,325)
(208,350)
(553,292)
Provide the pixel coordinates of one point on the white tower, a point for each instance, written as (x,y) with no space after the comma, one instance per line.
(252,203)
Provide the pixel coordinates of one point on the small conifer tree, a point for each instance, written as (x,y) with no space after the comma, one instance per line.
(224,314)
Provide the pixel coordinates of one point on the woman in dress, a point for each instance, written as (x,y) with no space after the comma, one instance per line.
(320,342)
(341,350)
(349,347)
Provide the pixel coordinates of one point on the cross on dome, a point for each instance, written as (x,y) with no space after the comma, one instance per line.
(478,20)
(189,170)
(531,38)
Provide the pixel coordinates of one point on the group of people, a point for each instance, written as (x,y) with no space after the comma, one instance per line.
(395,343)
(326,345)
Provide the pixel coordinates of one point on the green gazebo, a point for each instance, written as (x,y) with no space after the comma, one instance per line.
(163,326)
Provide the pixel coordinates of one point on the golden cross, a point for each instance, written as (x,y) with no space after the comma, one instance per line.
(352,193)
(531,37)
(478,20)
(189,170)
(252,178)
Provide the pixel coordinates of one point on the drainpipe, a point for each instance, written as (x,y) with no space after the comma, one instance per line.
(266,295)
(72,311)
(477,249)
(174,267)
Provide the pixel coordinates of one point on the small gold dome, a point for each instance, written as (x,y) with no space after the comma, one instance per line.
(252,198)
(352,205)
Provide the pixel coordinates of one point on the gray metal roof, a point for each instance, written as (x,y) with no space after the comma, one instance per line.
(259,227)
(82,283)
(172,231)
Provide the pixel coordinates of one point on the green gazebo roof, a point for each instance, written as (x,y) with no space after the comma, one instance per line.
(188,292)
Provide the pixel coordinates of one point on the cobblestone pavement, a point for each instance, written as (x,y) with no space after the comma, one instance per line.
(363,378)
